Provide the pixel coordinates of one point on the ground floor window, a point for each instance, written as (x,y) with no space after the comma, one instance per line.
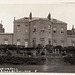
(6,41)
(34,42)
(49,41)
(73,43)
(54,43)
(42,41)
(18,41)
(26,42)
(62,43)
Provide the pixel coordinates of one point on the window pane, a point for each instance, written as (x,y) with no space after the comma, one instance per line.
(18,42)
(6,42)
(26,44)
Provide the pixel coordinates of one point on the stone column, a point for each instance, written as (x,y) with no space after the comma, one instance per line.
(58,51)
(55,51)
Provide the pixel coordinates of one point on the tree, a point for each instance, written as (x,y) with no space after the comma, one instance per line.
(49,48)
(39,48)
(59,47)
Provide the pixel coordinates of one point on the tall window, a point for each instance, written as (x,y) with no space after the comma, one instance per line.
(62,43)
(54,29)
(6,41)
(18,28)
(49,27)
(26,28)
(34,28)
(49,41)
(26,42)
(42,41)
(54,43)
(62,30)
(73,43)
(34,42)
(18,41)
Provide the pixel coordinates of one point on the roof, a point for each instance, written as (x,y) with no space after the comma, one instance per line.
(6,33)
(69,32)
(57,21)
(26,19)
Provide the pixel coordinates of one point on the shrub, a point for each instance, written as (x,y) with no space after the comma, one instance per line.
(22,60)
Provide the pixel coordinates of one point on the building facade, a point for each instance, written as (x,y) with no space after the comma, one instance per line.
(31,31)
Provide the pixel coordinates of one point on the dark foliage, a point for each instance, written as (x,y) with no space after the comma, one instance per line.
(22,60)
(49,48)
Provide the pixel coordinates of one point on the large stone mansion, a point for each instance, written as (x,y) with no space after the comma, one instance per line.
(31,31)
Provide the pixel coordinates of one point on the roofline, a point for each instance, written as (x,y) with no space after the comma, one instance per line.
(6,33)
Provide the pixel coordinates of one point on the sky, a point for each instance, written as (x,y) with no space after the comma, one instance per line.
(64,11)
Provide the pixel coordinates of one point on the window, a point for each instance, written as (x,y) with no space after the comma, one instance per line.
(6,41)
(54,29)
(26,29)
(54,43)
(62,30)
(42,30)
(26,42)
(73,43)
(49,27)
(34,42)
(18,28)
(49,41)
(62,43)
(34,28)
(18,41)
(42,41)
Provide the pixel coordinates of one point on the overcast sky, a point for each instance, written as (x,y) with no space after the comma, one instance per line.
(61,11)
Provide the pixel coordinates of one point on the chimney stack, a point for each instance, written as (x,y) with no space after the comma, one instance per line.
(72,29)
(30,15)
(14,18)
(49,16)
(1,21)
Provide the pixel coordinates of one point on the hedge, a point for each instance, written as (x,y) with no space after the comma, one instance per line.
(70,60)
(22,60)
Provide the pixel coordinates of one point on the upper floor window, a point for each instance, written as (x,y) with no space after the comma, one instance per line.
(62,30)
(73,43)
(34,28)
(49,27)
(18,27)
(54,29)
(42,30)
(26,29)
